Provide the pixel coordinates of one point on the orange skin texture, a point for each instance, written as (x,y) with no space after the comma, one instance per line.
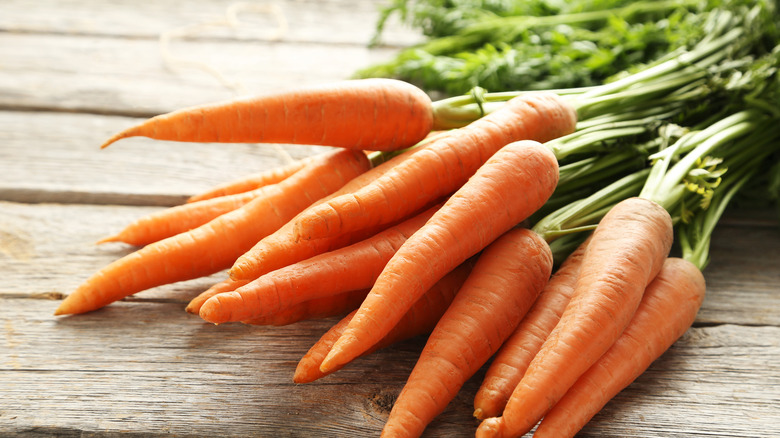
(440,167)
(350,268)
(326,307)
(251,182)
(215,245)
(625,253)
(363,114)
(668,308)
(488,205)
(282,248)
(227,285)
(506,280)
(512,359)
(419,320)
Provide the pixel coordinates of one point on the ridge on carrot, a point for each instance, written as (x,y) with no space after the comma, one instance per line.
(182,218)
(507,278)
(624,254)
(668,308)
(282,248)
(215,245)
(350,268)
(441,166)
(252,181)
(364,114)
(508,188)
(512,359)
(326,307)
(419,320)
(226,285)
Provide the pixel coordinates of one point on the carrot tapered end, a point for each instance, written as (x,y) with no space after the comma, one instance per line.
(242,269)
(214,312)
(114,238)
(304,372)
(491,428)
(194,306)
(66,307)
(129,132)
(344,351)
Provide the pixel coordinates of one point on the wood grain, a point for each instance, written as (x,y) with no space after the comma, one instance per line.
(129,76)
(75,72)
(55,157)
(149,368)
(331,22)
(742,279)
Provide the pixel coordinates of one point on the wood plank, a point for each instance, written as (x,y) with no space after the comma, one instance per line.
(332,22)
(55,157)
(129,77)
(744,266)
(151,369)
(44,243)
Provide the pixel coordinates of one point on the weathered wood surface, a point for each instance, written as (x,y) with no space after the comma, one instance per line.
(149,368)
(73,73)
(55,157)
(742,277)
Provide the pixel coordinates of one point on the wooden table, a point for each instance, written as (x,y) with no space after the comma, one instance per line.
(72,73)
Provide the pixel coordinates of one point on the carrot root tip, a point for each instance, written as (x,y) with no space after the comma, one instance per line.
(114,238)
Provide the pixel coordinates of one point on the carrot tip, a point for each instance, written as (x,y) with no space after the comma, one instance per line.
(61,310)
(479,414)
(490,427)
(114,238)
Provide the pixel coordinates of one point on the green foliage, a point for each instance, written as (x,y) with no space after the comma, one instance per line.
(498,45)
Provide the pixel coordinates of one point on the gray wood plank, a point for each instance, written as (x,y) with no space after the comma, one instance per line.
(149,368)
(318,21)
(49,248)
(55,157)
(130,77)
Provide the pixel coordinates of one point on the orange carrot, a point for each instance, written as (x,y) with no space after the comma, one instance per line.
(251,182)
(370,114)
(506,280)
(667,310)
(441,166)
(227,285)
(516,353)
(313,309)
(182,218)
(353,267)
(281,248)
(419,320)
(508,188)
(215,245)
(624,254)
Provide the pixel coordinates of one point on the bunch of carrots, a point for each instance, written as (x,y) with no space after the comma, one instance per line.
(512,226)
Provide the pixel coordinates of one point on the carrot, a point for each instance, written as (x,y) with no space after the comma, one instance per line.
(624,254)
(215,245)
(370,114)
(441,166)
(251,182)
(227,285)
(508,188)
(353,267)
(667,310)
(281,248)
(420,319)
(506,280)
(512,359)
(182,218)
(317,308)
